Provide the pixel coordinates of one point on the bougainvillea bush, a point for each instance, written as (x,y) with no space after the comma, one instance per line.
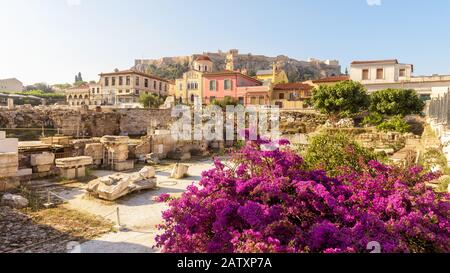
(265,201)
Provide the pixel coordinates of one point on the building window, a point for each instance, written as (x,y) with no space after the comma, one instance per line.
(128,90)
(113,81)
(128,80)
(365,74)
(160,86)
(281,96)
(120,80)
(98,90)
(212,99)
(402,72)
(154,85)
(137,92)
(227,84)
(253,100)
(120,91)
(261,100)
(181,86)
(106,81)
(213,85)
(146,83)
(137,81)
(241,100)
(380,73)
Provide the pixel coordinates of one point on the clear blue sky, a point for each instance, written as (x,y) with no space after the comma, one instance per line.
(51,40)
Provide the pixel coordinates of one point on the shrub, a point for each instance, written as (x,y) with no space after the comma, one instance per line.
(372,119)
(267,202)
(395,124)
(330,151)
(394,102)
(225,102)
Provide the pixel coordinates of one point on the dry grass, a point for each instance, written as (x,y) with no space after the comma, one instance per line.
(71,222)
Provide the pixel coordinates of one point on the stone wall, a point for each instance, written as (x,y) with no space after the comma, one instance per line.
(89,123)
(137,121)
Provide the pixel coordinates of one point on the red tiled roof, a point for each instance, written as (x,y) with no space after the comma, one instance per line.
(392,61)
(130,71)
(231,73)
(203,58)
(81,86)
(292,86)
(332,79)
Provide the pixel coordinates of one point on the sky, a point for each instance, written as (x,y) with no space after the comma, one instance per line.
(52,40)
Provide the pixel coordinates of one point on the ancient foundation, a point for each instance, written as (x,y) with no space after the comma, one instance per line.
(73,167)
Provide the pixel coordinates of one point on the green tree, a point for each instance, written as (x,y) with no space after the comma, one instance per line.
(394,102)
(330,151)
(342,99)
(44,87)
(225,101)
(151,100)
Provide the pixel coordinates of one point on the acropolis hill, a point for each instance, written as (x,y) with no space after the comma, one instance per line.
(174,67)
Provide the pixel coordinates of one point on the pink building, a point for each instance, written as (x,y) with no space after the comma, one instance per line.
(219,85)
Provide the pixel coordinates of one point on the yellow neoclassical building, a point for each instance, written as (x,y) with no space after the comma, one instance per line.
(189,88)
(274,75)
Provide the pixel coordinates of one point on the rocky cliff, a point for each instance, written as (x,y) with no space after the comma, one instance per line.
(174,67)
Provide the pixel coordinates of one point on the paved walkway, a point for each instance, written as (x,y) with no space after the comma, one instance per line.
(139,213)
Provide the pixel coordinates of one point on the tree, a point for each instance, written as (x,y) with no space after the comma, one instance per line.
(394,102)
(342,99)
(44,87)
(151,100)
(80,79)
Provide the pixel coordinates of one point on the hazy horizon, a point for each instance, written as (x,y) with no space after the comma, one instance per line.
(52,40)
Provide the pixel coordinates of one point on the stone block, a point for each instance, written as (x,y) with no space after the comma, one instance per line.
(9,145)
(42,159)
(42,168)
(94,150)
(124,165)
(24,172)
(2,135)
(179,171)
(73,162)
(69,173)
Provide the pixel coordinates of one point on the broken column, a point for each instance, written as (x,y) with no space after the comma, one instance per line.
(73,167)
(116,153)
(114,186)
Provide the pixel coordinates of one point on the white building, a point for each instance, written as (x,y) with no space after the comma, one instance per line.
(12,84)
(384,74)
